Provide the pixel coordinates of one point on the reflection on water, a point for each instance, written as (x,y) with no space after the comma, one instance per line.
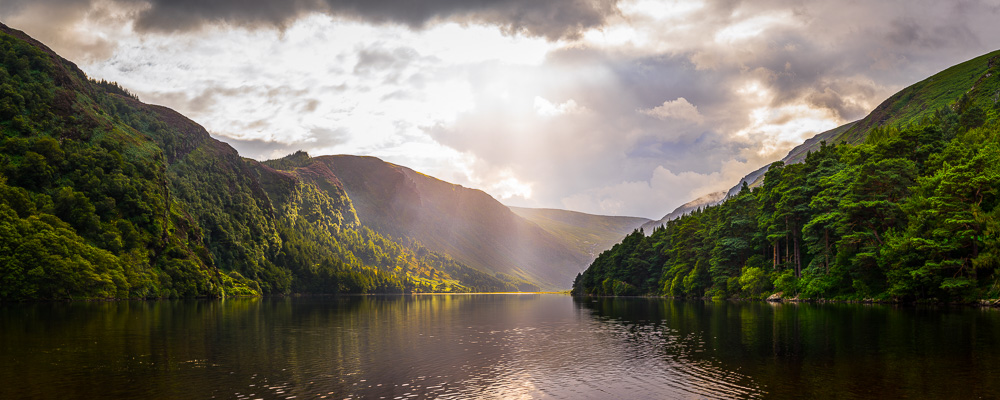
(491,346)
(829,350)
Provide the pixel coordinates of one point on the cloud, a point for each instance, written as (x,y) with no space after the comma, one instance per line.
(662,190)
(552,19)
(679,109)
(545,108)
(265,149)
(629,107)
(65,25)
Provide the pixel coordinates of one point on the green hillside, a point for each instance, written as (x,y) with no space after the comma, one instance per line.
(907,107)
(907,213)
(464,223)
(948,88)
(103,196)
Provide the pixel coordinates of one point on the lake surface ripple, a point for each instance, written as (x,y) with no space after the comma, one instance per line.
(498,346)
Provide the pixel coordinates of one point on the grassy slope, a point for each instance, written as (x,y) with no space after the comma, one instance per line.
(923,98)
(587,233)
(907,106)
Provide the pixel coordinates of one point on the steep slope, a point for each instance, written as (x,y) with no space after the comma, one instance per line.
(908,106)
(908,211)
(103,196)
(403,255)
(465,223)
(586,233)
(948,88)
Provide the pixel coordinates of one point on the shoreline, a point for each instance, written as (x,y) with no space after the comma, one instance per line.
(982,303)
(92,300)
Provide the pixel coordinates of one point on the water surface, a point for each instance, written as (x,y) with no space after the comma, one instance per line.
(494,346)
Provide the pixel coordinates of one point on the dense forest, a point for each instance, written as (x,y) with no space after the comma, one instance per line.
(908,213)
(103,196)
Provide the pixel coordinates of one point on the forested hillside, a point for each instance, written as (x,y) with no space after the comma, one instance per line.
(909,213)
(467,224)
(103,196)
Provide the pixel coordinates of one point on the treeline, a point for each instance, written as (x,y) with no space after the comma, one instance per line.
(102,196)
(909,215)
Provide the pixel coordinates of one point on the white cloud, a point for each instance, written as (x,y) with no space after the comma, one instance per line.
(545,108)
(679,108)
(543,120)
(661,193)
(753,27)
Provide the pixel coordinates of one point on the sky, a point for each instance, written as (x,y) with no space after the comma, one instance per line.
(615,107)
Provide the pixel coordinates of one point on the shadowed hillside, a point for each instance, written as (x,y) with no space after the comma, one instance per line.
(103,196)
(465,223)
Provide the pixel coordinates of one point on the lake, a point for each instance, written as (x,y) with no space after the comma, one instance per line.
(499,346)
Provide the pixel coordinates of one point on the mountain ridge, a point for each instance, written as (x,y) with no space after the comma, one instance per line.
(905,211)
(103,196)
(466,223)
(588,233)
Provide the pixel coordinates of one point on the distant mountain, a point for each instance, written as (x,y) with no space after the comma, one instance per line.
(586,233)
(464,223)
(710,199)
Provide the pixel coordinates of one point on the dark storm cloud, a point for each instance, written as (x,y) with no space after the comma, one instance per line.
(14,7)
(552,19)
(182,15)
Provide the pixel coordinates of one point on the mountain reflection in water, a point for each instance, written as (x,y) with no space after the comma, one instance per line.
(492,346)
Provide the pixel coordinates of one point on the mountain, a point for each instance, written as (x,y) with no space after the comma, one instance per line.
(586,233)
(464,223)
(903,205)
(908,106)
(753,179)
(103,196)
(710,199)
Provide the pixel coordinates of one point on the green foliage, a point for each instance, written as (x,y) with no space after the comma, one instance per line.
(964,86)
(910,214)
(26,88)
(785,282)
(754,282)
(102,196)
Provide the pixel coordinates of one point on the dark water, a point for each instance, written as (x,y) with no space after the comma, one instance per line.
(495,346)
